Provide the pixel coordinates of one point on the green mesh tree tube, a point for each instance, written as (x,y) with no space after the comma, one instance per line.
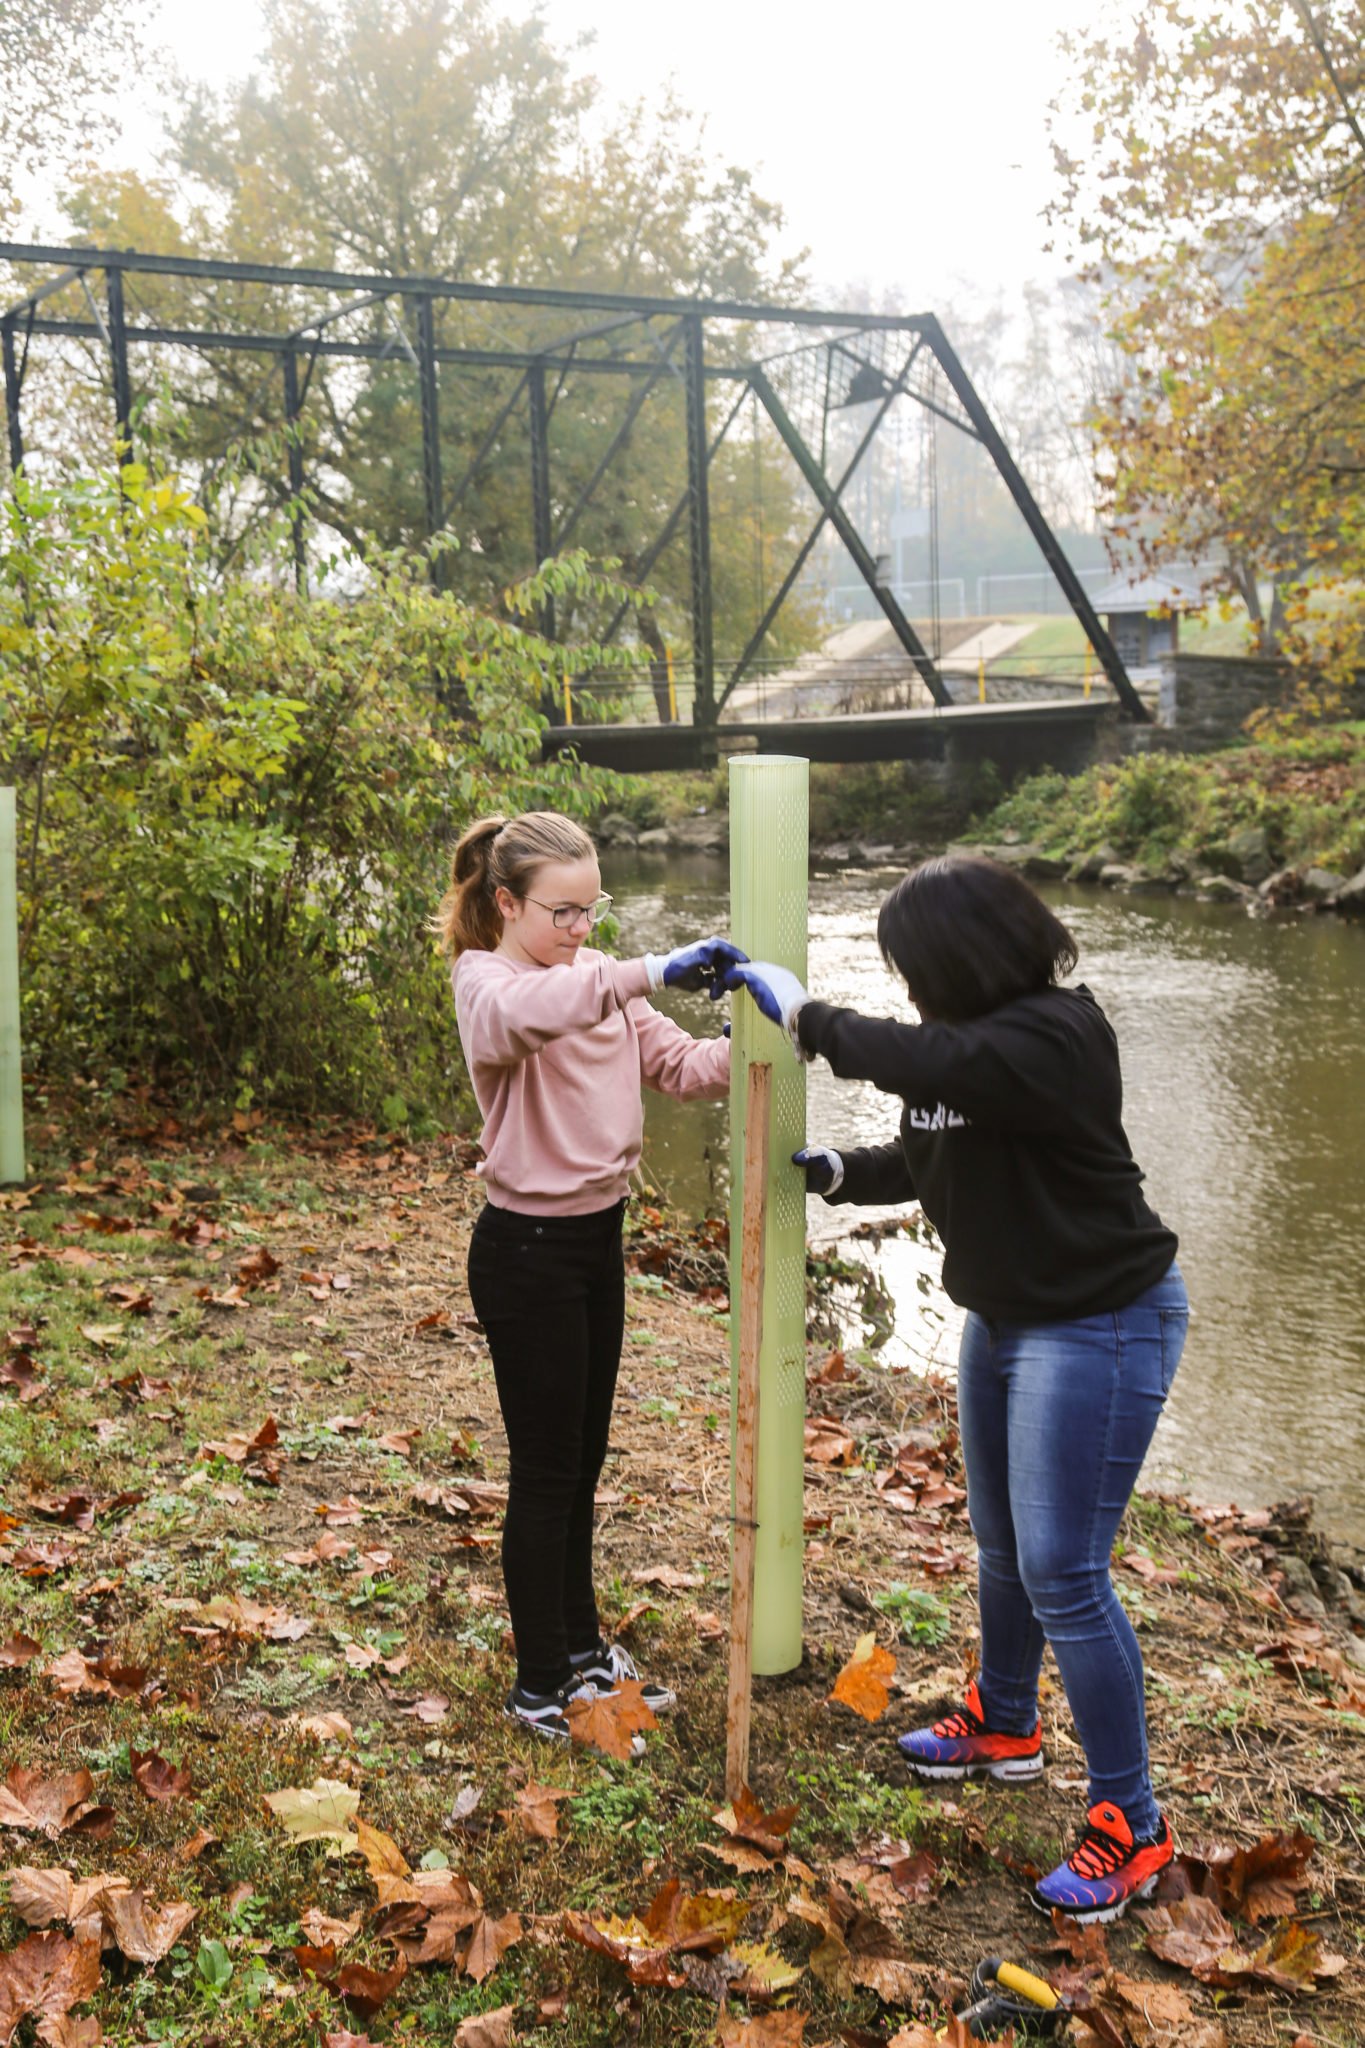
(11,1078)
(769,839)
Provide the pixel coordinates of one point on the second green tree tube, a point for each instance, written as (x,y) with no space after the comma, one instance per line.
(769,912)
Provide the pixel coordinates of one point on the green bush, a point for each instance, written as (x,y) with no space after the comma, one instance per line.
(236,804)
(1304,789)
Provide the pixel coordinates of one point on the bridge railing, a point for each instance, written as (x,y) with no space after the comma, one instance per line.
(815,687)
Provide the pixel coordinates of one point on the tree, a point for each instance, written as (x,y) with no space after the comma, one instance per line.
(235,803)
(59,71)
(433,137)
(1219,201)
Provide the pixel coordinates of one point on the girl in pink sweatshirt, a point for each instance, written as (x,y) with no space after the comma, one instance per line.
(558,1038)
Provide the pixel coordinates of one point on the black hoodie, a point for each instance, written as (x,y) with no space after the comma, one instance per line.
(1012,1142)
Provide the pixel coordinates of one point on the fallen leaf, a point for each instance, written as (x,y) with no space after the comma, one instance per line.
(1191,1932)
(535,1811)
(765,1971)
(365,1990)
(39,1896)
(240,1449)
(17,1651)
(383,1857)
(45,1976)
(62,2030)
(827,1442)
(610,1722)
(745,1818)
(51,1806)
(320,1812)
(399,1441)
(1260,1883)
(767,2030)
(196,1844)
(158,1779)
(132,1299)
(76,1510)
(74,1673)
(103,1334)
(320,1929)
(665,1575)
(487,2029)
(340,1514)
(323,1727)
(431,1708)
(257,1266)
(143,1932)
(488,1942)
(862,1682)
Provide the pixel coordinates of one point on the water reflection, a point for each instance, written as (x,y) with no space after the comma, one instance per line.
(1244,1066)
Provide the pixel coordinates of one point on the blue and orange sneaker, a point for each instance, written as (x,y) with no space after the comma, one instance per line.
(962,1746)
(1108,1868)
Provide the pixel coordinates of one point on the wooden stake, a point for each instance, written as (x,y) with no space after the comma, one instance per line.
(11,1073)
(752,1222)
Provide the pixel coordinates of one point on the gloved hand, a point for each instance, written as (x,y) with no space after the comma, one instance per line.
(824,1169)
(701,965)
(776,990)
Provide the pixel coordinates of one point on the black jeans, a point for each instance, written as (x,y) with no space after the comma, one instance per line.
(550,1292)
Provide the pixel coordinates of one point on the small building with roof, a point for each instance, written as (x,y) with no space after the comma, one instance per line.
(1142,613)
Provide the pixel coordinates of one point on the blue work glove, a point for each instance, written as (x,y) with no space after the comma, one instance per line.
(703,964)
(824,1169)
(777,992)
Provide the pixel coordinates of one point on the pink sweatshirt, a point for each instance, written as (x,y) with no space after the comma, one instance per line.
(557,1056)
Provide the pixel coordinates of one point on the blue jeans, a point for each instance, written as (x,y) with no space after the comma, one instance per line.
(1056,1419)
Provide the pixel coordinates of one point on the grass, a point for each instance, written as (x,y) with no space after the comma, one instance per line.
(232,1707)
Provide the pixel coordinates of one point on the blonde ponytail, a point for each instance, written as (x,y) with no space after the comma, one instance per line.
(500,853)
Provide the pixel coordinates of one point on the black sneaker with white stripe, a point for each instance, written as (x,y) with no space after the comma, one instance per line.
(607,1667)
(544,1712)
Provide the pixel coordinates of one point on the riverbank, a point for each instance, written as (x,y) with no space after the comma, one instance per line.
(1276,825)
(253,1473)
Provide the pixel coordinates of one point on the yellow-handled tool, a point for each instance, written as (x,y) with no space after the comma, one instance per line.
(1004,1996)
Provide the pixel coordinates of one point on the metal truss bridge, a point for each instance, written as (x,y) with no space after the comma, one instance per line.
(800,367)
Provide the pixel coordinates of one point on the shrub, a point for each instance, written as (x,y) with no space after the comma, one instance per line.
(236,803)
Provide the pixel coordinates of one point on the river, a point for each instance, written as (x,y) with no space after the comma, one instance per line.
(1244,1071)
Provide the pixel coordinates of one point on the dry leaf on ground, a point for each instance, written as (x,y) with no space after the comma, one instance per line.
(745,1818)
(319,1929)
(320,1812)
(51,1806)
(769,2030)
(488,1942)
(862,1682)
(143,1932)
(487,2029)
(611,1723)
(536,1810)
(45,1976)
(828,1442)
(158,1779)
(1260,1883)
(669,1577)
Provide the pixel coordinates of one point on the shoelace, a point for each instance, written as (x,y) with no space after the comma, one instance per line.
(622,1664)
(1097,1854)
(963,1722)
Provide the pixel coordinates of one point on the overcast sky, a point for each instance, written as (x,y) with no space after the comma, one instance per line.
(905,139)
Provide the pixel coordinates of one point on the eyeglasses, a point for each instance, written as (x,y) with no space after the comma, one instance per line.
(566,915)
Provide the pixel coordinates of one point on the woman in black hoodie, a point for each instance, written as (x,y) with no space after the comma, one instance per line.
(1011,1139)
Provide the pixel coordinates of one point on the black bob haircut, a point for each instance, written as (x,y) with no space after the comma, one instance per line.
(968,935)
